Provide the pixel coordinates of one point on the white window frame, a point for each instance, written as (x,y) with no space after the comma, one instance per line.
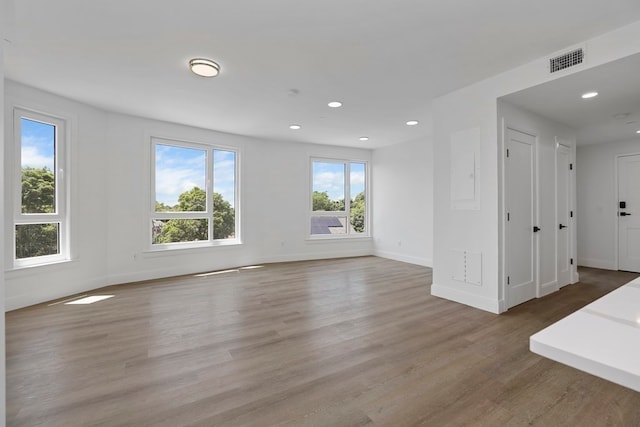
(209,185)
(347,200)
(61,189)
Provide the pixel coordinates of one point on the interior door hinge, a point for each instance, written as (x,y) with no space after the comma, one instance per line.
(508,216)
(570,166)
(508,280)
(571,214)
(507,152)
(571,261)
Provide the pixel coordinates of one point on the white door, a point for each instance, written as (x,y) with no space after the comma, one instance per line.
(521,248)
(629,213)
(563,215)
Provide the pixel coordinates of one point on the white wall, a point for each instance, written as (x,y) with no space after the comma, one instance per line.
(403,202)
(88,202)
(597,205)
(475,107)
(110,172)
(274,203)
(545,131)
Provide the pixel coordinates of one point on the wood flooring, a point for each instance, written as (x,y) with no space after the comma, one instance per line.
(345,342)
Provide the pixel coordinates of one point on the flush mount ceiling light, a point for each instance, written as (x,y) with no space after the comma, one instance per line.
(335,104)
(364,138)
(412,122)
(638,131)
(204,67)
(589,95)
(294,127)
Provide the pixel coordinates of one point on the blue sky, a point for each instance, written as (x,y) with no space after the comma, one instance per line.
(38,144)
(330,177)
(179,169)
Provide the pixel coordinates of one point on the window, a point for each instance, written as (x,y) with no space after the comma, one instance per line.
(194,194)
(338,198)
(40,203)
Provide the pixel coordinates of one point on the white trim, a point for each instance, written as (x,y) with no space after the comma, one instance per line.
(548,288)
(52,294)
(347,200)
(425,262)
(605,264)
(209,152)
(155,273)
(61,173)
(476,301)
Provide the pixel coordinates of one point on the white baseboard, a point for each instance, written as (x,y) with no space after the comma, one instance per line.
(25,300)
(548,288)
(425,262)
(476,301)
(605,264)
(312,256)
(170,272)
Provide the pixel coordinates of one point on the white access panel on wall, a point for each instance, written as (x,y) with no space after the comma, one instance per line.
(465,169)
(467,266)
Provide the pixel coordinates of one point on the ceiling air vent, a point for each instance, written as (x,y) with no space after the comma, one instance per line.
(569,59)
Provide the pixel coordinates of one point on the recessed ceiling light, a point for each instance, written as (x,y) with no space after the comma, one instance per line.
(294,127)
(335,104)
(364,138)
(589,95)
(412,122)
(204,67)
(638,131)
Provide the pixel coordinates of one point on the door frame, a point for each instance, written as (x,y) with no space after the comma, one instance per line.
(616,191)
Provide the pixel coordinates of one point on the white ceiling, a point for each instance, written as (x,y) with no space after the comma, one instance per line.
(614,115)
(283,60)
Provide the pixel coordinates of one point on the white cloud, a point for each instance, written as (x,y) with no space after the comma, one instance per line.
(34,158)
(331,182)
(357,183)
(171,182)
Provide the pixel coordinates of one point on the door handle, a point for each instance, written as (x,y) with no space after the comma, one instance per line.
(624,214)
(561,226)
(536,229)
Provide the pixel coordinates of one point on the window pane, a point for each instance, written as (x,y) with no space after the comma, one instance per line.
(328,225)
(224,194)
(34,240)
(181,174)
(179,230)
(358,206)
(38,148)
(328,186)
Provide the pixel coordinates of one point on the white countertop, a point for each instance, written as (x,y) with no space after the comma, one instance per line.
(602,338)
